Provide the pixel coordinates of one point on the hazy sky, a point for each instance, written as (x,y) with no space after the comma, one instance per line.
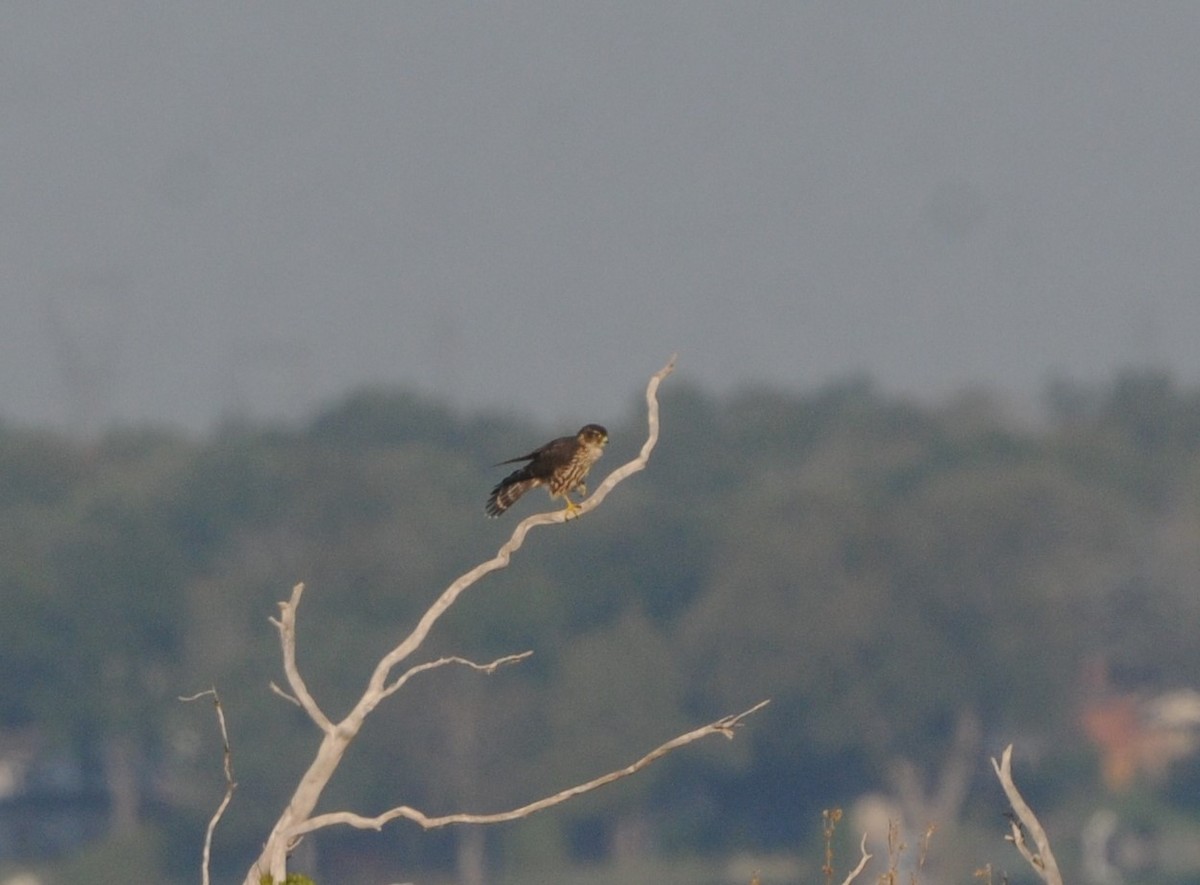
(226,207)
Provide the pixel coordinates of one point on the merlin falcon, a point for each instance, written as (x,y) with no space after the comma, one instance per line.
(561,465)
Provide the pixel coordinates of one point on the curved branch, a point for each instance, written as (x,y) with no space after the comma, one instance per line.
(862,862)
(413,641)
(230,783)
(454,659)
(639,463)
(1043,861)
(286,625)
(724,726)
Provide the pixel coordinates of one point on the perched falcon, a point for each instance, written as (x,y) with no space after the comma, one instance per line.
(561,465)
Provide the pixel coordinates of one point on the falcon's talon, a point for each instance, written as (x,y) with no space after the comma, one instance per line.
(561,465)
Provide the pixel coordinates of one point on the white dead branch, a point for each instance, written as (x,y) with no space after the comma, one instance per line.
(862,862)
(298,818)
(230,783)
(1042,861)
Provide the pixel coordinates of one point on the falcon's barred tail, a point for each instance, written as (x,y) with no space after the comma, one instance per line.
(508,490)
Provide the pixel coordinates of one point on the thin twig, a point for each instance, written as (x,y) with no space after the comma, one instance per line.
(1043,861)
(230,783)
(454,659)
(724,726)
(291,699)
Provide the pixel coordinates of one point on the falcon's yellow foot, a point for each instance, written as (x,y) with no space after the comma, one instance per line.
(572,509)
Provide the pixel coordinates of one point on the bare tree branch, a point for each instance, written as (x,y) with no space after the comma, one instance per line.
(454,659)
(283,694)
(297,818)
(230,783)
(639,463)
(286,625)
(1043,861)
(862,863)
(724,726)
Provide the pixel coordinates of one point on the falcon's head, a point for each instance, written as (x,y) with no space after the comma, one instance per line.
(592,435)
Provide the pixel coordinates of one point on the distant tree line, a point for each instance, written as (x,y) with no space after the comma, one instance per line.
(884,570)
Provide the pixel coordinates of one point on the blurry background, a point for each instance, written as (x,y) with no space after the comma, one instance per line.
(282,281)
(223,208)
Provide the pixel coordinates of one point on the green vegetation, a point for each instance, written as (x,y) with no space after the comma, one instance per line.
(877,568)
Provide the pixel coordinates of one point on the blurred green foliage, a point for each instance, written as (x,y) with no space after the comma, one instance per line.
(874,566)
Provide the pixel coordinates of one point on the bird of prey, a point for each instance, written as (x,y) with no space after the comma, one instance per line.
(561,465)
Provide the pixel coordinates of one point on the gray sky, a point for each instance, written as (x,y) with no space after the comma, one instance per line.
(226,207)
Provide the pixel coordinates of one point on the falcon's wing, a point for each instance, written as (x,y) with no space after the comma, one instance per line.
(544,460)
(561,442)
